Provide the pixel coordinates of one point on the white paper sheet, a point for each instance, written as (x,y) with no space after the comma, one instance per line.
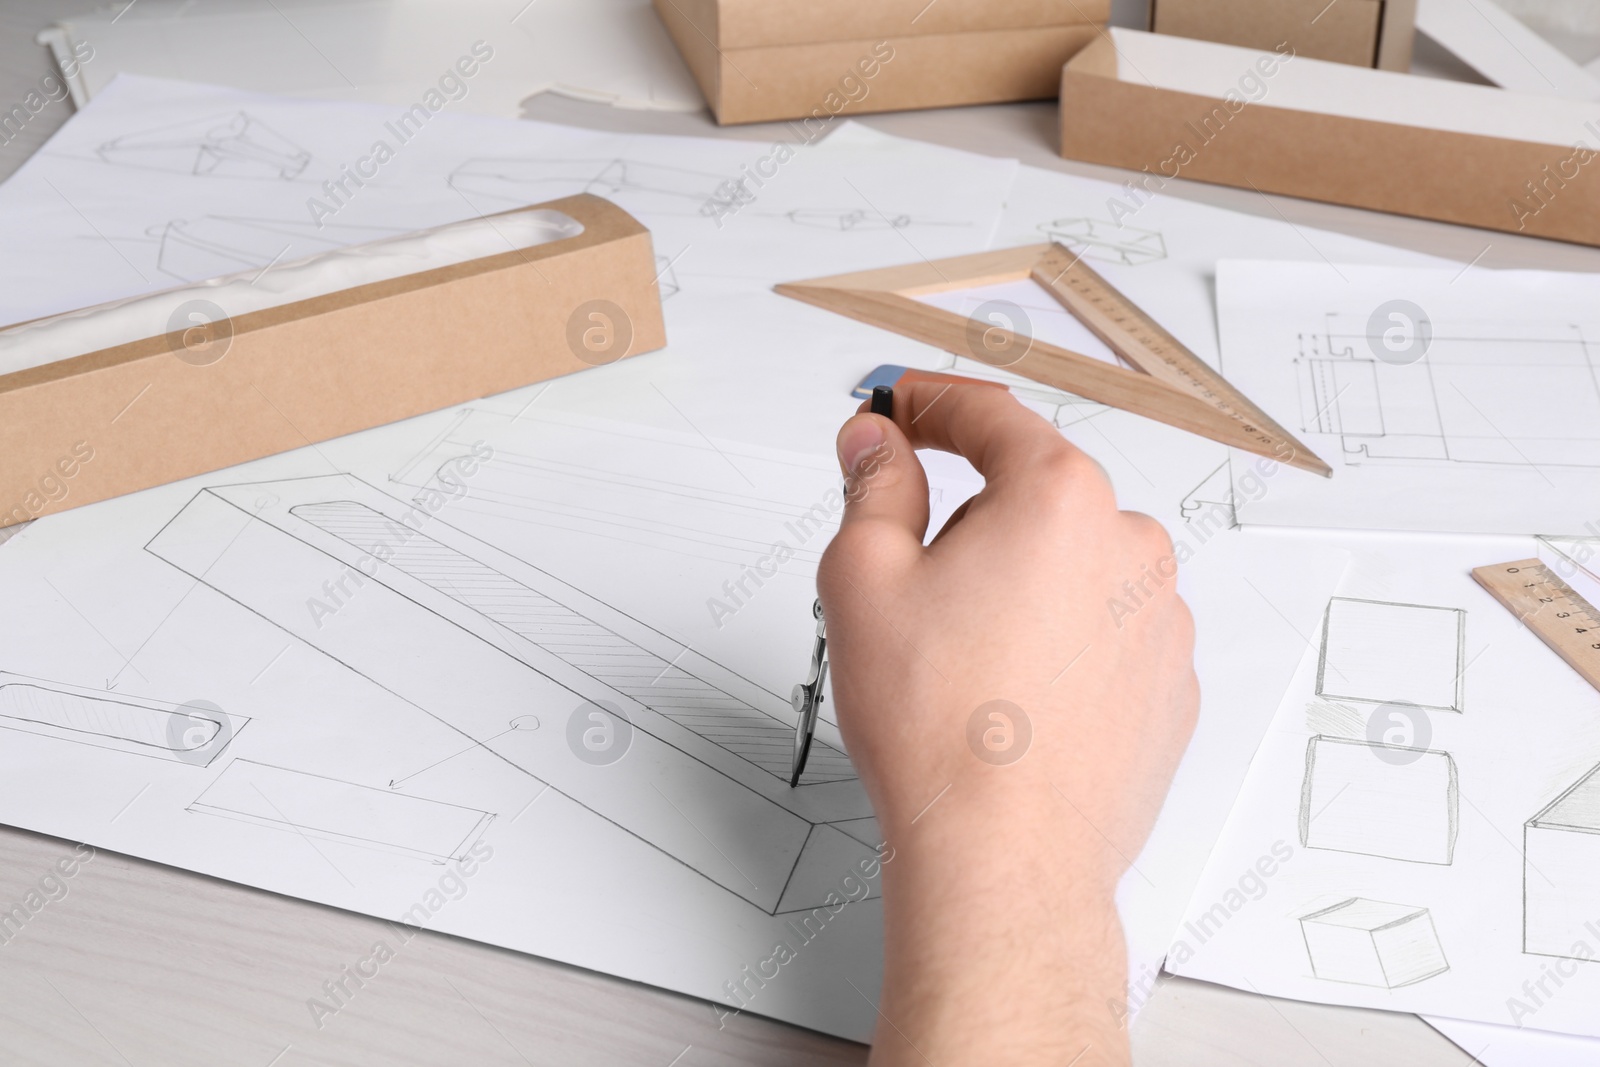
(386,51)
(1503,49)
(1428,858)
(1507,1046)
(163,595)
(1445,399)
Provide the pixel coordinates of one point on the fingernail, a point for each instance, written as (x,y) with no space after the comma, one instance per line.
(861,437)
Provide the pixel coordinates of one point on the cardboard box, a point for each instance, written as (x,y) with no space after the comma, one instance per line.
(1364,33)
(1171,107)
(760,60)
(219,389)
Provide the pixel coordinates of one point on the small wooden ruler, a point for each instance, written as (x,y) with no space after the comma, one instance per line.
(1171,384)
(1549,607)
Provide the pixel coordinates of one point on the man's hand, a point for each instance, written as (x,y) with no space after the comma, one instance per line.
(1016,697)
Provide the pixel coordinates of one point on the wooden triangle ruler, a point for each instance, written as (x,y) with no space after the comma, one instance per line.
(1171,384)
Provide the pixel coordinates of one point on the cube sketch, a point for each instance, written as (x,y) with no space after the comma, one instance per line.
(1376,652)
(1379,800)
(1372,942)
(1561,871)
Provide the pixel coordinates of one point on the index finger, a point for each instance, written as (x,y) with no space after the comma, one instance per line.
(987,426)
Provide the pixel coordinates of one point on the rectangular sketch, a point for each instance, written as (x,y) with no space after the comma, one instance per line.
(330,809)
(1561,871)
(1371,942)
(1379,800)
(391,592)
(1379,653)
(189,734)
(1448,399)
(1470,397)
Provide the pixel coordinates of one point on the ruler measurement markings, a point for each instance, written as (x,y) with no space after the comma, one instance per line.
(1546,604)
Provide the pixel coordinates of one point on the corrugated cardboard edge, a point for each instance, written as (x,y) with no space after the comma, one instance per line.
(1397,35)
(317,369)
(1406,170)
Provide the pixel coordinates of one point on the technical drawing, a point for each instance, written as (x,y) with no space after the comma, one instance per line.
(1107,242)
(864,830)
(333,810)
(646,187)
(1379,800)
(421,606)
(523,483)
(1529,401)
(1061,408)
(1561,871)
(209,246)
(846,220)
(1370,942)
(183,733)
(1210,505)
(1377,652)
(236,145)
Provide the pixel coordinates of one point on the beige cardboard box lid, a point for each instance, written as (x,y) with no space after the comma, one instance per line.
(761,23)
(1402,143)
(1316,87)
(86,415)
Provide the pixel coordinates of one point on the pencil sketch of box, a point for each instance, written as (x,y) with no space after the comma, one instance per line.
(1379,800)
(1108,242)
(1372,942)
(1377,652)
(229,146)
(1561,871)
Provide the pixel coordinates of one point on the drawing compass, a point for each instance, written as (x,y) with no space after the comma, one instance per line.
(807,696)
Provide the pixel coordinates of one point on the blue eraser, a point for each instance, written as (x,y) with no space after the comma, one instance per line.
(883,374)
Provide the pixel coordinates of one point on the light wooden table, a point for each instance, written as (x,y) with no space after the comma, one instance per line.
(143,964)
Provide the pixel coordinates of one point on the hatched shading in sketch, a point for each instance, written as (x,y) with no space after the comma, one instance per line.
(1373,942)
(192,733)
(705,777)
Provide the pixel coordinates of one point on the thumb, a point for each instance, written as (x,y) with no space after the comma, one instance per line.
(885,485)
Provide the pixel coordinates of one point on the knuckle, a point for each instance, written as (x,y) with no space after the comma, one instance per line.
(1150,537)
(1063,473)
(860,548)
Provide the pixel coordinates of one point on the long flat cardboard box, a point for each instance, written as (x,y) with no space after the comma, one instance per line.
(760,60)
(1170,107)
(216,388)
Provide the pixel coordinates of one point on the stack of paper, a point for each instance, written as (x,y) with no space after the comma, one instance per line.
(291,716)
